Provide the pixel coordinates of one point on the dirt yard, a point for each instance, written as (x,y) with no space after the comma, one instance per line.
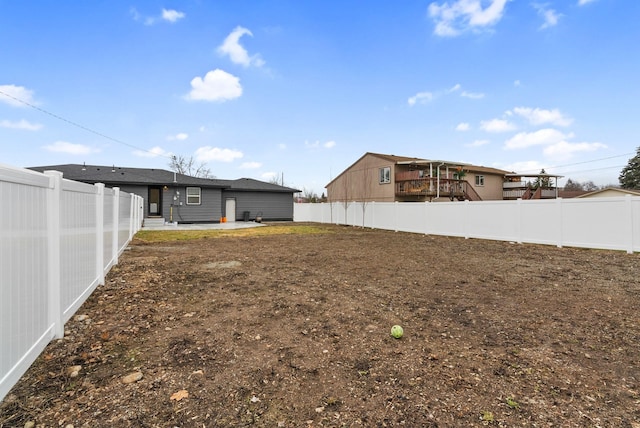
(293,330)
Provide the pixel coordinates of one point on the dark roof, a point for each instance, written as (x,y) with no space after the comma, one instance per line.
(115,176)
(120,175)
(249,184)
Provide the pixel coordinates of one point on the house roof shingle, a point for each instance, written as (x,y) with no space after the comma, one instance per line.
(114,176)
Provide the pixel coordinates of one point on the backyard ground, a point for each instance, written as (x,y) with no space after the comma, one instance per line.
(288,326)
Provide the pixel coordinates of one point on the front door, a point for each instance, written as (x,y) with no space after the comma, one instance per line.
(230,210)
(155,201)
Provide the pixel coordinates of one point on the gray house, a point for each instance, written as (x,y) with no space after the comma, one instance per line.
(185,199)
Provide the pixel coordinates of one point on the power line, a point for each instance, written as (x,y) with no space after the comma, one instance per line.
(588,161)
(77,125)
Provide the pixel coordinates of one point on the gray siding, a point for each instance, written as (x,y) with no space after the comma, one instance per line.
(273,205)
(209,210)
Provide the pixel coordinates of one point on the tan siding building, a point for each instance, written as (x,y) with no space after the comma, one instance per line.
(388,178)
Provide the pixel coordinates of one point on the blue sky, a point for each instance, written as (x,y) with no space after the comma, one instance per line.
(301,89)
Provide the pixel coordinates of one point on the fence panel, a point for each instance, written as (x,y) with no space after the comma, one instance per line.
(25,327)
(604,223)
(58,238)
(78,245)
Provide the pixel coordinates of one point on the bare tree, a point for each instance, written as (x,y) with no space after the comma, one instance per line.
(310,196)
(189,166)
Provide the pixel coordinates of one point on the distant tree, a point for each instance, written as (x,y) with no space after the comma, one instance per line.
(277,179)
(310,196)
(573,186)
(588,186)
(630,176)
(189,166)
(542,181)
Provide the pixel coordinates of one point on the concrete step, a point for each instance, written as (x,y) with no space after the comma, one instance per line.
(153,222)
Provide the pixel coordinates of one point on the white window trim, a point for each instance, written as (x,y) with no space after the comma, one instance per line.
(198,195)
(384,175)
(479,180)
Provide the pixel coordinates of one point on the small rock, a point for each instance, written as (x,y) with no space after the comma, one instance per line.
(319,409)
(29,424)
(132,377)
(73,371)
(82,317)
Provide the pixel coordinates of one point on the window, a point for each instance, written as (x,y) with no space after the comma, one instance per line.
(385,175)
(193,195)
(479,180)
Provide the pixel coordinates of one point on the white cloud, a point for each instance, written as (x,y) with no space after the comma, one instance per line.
(550,16)
(455,87)
(497,125)
(463,126)
(236,52)
(70,148)
(464,15)
(478,143)
(517,83)
(542,137)
(538,116)
(180,136)
(282,146)
(565,150)
(168,15)
(207,153)
(316,144)
(329,144)
(250,165)
(152,152)
(217,85)
(583,2)
(420,98)
(22,124)
(472,95)
(172,15)
(11,92)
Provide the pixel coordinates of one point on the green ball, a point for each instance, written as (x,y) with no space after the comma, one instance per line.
(397,331)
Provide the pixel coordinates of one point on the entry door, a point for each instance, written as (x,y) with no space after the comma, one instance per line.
(155,201)
(230,210)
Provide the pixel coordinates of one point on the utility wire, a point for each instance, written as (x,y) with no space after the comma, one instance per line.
(589,161)
(85,128)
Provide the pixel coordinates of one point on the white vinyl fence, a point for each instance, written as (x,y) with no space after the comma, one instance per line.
(59,238)
(603,223)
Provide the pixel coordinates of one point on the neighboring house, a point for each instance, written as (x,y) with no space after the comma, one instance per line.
(610,192)
(389,178)
(184,199)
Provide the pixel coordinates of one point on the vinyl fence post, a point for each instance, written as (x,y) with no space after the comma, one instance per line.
(53,250)
(627,202)
(519,225)
(465,223)
(560,221)
(100,232)
(426,217)
(132,215)
(116,224)
(373,214)
(395,216)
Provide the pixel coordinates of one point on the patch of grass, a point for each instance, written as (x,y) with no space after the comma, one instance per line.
(486,416)
(187,235)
